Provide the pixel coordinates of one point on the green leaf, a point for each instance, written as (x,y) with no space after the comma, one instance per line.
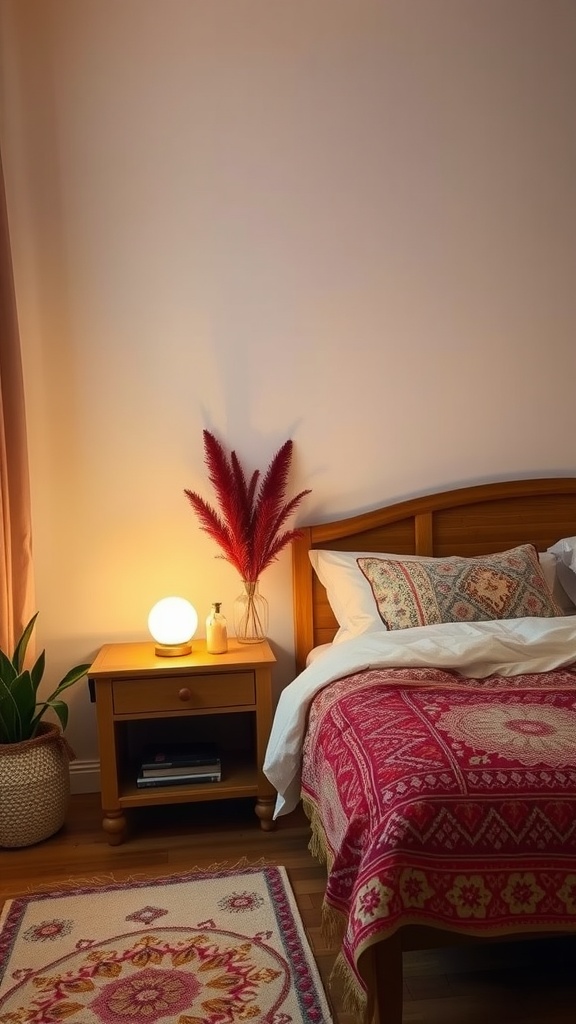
(25,697)
(8,672)
(38,671)
(53,702)
(18,702)
(71,677)
(9,721)
(20,651)
(58,706)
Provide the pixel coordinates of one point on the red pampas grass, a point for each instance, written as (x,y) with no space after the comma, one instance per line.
(249,528)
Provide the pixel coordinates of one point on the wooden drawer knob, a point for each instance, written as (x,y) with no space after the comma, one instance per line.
(184,693)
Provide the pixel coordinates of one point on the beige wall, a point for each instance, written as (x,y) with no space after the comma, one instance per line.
(350,222)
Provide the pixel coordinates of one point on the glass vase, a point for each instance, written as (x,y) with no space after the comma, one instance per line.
(250,614)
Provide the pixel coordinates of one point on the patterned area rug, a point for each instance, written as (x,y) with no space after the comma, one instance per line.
(215,947)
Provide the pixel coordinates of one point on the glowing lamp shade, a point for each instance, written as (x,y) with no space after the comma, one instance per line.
(172,623)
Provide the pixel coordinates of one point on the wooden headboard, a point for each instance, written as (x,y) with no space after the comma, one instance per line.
(469,521)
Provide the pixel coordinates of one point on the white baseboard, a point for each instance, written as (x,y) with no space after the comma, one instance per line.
(85,776)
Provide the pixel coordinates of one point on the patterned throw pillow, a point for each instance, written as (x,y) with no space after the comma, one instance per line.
(507,585)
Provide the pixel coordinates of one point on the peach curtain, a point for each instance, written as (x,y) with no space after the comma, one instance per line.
(16,579)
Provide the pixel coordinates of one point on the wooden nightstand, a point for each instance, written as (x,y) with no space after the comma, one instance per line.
(141,697)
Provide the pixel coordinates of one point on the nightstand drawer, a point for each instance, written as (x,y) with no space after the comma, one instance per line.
(185,693)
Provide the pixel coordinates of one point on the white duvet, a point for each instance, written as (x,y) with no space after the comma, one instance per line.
(475,649)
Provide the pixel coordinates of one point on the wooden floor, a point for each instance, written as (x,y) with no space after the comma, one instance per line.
(532,983)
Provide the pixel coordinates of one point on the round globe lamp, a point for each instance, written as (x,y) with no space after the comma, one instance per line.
(172,623)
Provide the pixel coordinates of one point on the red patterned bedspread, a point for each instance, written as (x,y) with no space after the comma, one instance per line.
(444,801)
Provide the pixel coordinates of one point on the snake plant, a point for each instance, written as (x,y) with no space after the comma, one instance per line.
(20,710)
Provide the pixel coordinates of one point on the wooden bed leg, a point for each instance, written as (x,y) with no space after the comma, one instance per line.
(384,962)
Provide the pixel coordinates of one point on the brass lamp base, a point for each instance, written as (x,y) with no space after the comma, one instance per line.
(173,650)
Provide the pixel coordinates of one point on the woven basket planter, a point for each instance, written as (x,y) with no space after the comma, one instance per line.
(34,787)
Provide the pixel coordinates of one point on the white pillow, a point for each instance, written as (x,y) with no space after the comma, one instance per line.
(351,598)
(564,553)
(349,593)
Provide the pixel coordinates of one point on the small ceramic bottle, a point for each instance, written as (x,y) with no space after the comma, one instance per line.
(216,631)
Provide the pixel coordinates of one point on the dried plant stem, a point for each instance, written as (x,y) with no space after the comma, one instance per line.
(251,624)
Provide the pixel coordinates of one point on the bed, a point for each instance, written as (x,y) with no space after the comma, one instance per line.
(434,744)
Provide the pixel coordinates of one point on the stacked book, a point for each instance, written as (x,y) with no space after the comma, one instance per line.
(173,765)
